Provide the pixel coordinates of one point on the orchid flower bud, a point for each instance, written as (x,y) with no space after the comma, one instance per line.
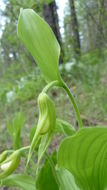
(3,156)
(46,122)
(46,114)
(9,165)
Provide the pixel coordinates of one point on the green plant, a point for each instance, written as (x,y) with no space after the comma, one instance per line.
(14,129)
(80,162)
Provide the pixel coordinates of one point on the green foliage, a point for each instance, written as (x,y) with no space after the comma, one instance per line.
(9,40)
(25,182)
(25,86)
(43,45)
(15,127)
(84,155)
(27,90)
(91,86)
(67,181)
(81,159)
(64,127)
(46,180)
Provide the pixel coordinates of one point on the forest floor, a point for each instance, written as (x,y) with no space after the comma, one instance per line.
(87,82)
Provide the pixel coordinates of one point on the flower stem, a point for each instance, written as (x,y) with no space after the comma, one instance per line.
(24,148)
(50,85)
(74,104)
(65,87)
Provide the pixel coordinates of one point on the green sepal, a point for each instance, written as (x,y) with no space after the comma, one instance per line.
(10,164)
(44,143)
(3,156)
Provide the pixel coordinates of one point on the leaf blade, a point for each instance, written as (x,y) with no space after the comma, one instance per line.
(84,155)
(14,129)
(64,127)
(38,37)
(66,179)
(19,180)
(46,180)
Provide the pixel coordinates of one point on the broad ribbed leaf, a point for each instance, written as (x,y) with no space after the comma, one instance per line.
(25,182)
(66,179)
(38,37)
(85,156)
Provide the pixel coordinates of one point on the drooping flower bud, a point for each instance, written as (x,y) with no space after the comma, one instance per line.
(46,114)
(46,122)
(3,156)
(9,165)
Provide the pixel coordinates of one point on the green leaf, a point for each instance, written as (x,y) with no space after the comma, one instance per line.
(25,182)
(44,143)
(46,179)
(85,156)
(38,37)
(14,129)
(64,127)
(32,132)
(66,179)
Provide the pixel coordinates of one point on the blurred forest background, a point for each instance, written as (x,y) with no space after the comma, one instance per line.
(82,35)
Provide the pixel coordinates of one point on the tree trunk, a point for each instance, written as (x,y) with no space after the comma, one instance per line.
(101,23)
(50,15)
(75,30)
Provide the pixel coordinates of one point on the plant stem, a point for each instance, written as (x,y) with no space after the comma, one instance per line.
(10,151)
(74,104)
(24,148)
(51,84)
(53,168)
(33,164)
(63,85)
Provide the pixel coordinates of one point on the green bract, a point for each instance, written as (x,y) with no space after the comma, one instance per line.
(3,156)
(41,42)
(8,166)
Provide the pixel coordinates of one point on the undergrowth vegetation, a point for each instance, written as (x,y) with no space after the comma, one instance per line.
(78,160)
(86,81)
